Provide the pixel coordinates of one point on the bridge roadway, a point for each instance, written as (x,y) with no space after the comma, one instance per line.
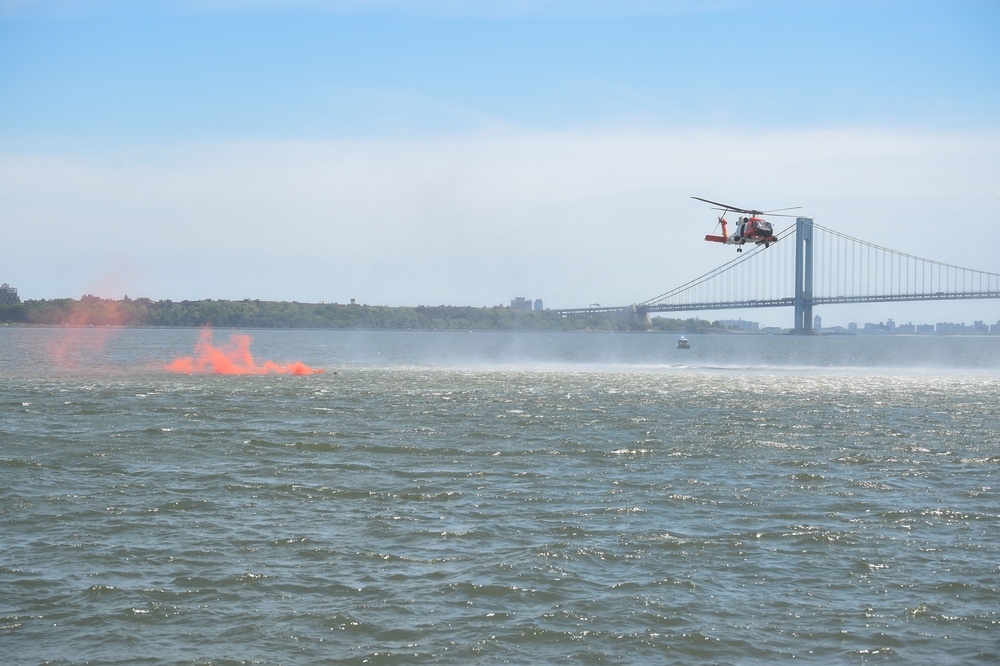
(640,310)
(880,269)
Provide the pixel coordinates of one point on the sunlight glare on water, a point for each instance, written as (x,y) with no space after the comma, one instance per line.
(461,498)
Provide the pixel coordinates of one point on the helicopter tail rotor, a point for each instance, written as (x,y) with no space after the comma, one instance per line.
(725,234)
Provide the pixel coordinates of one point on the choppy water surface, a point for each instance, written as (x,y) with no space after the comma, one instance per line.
(482,498)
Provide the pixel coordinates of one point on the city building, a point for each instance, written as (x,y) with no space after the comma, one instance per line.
(740,324)
(890,327)
(8,294)
(522,303)
(950,327)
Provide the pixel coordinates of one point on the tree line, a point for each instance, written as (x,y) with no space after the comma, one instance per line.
(94,311)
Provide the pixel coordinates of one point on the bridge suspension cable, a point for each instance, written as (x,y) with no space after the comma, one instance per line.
(849,269)
(739,281)
(812,265)
(844,270)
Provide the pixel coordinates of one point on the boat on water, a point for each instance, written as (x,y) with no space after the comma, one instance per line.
(682,343)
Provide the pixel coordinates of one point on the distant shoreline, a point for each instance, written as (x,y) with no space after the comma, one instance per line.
(817,334)
(365,330)
(268,315)
(94,312)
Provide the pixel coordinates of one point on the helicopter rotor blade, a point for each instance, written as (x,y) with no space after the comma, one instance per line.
(753,213)
(726,207)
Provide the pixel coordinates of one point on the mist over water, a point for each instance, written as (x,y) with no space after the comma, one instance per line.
(482,497)
(48,351)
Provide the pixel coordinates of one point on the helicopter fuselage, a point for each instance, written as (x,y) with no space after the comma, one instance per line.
(749,229)
(754,230)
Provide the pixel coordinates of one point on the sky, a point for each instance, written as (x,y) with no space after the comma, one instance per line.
(466,152)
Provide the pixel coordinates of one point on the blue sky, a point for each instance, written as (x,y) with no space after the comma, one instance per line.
(466,152)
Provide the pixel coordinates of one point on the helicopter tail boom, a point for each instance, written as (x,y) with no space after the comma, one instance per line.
(725,234)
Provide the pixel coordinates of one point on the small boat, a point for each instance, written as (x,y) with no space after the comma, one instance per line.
(683,343)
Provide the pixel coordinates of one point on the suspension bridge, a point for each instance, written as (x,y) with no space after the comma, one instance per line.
(812,265)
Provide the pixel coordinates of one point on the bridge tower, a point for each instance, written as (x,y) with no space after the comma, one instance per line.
(803,276)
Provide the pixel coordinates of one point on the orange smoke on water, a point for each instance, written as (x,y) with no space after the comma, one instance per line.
(87,326)
(232,359)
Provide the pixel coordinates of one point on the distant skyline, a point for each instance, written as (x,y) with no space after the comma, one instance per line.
(468,152)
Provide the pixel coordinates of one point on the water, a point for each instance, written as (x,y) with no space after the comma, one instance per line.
(492,498)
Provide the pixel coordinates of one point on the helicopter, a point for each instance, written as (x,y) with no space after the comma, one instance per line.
(750,229)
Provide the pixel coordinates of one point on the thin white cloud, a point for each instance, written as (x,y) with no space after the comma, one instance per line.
(478,8)
(573,217)
(453,8)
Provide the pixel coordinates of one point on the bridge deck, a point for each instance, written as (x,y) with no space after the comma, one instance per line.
(815,266)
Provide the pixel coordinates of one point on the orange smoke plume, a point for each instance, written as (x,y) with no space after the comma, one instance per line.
(232,359)
(87,326)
